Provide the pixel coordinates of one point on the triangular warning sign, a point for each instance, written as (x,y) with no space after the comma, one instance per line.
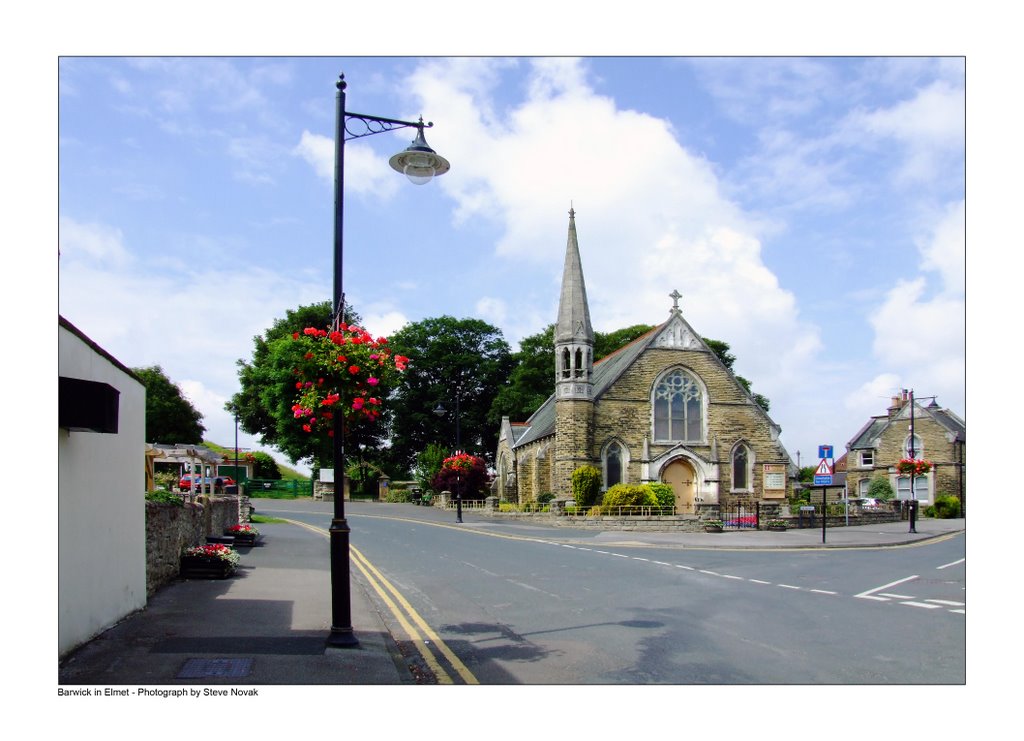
(824,469)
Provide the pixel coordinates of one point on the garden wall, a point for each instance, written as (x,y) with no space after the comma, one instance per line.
(170,529)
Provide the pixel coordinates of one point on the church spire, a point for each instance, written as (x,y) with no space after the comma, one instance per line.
(574,335)
(573,310)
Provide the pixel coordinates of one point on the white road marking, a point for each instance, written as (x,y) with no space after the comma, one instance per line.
(947,602)
(921,604)
(951,563)
(788,586)
(823,591)
(884,586)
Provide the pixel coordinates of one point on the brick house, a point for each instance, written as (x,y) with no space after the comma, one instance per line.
(940,436)
(662,409)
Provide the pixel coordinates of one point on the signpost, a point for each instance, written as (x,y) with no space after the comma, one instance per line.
(823,478)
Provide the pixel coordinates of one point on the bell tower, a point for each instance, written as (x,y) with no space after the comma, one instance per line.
(574,370)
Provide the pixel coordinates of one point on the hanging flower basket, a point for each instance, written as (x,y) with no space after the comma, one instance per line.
(346,372)
(244,535)
(915,466)
(211,561)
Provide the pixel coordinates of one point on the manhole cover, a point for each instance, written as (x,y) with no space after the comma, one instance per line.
(228,668)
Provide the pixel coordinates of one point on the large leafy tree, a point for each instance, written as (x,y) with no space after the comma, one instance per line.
(264,403)
(459,364)
(170,417)
(533,376)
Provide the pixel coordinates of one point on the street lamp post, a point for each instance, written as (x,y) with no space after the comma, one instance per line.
(419,163)
(440,411)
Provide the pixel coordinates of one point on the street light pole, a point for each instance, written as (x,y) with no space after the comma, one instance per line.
(419,163)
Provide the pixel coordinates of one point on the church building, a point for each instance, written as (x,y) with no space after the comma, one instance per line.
(663,408)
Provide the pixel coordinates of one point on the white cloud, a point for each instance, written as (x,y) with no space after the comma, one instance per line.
(365,172)
(98,242)
(650,214)
(920,329)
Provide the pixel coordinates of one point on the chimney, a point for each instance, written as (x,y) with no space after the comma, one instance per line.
(897,403)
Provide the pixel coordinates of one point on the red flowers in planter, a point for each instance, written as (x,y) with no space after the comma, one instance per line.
(339,370)
(916,466)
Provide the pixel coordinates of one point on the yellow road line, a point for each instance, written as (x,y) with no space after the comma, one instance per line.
(461,668)
(379,584)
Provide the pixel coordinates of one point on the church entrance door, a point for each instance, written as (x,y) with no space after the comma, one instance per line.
(681,477)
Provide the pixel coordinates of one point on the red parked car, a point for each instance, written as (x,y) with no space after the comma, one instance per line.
(210,482)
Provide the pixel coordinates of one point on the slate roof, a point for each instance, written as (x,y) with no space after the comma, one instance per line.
(606,371)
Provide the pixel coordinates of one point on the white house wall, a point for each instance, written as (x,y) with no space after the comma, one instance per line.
(101,553)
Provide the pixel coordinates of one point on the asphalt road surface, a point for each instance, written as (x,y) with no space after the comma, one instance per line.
(520,605)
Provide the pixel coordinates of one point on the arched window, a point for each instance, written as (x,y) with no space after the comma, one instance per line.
(613,465)
(741,467)
(918,447)
(566,362)
(678,408)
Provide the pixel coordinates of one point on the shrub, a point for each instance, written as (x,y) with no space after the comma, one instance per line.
(946,507)
(165,497)
(586,485)
(628,495)
(880,488)
(545,497)
(664,494)
(398,496)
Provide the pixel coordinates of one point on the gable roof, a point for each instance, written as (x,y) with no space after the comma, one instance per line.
(675,332)
(868,435)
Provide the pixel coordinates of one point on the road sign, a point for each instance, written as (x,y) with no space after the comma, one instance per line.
(822,480)
(824,468)
(823,473)
(825,451)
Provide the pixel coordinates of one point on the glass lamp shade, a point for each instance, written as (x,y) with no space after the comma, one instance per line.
(419,162)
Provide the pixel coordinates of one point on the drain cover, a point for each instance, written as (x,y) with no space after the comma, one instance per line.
(228,668)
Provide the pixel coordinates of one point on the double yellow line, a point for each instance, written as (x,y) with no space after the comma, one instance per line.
(420,634)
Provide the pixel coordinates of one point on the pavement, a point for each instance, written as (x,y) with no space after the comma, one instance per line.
(268,623)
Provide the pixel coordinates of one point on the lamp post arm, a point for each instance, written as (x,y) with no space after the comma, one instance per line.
(377,125)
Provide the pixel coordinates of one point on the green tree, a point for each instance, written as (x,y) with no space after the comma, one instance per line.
(264,466)
(880,488)
(459,364)
(605,343)
(170,417)
(428,465)
(532,379)
(807,474)
(264,403)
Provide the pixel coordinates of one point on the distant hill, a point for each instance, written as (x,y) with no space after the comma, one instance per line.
(287,473)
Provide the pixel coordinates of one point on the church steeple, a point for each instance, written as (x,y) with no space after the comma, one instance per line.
(574,334)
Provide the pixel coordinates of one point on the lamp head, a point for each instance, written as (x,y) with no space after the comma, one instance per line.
(418,161)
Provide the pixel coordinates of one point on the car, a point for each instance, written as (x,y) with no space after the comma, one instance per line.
(210,482)
(871,505)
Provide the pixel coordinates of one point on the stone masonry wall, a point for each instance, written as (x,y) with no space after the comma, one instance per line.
(624,413)
(170,529)
(944,477)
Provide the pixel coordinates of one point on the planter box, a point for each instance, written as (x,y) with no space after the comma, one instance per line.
(712,528)
(200,567)
(778,528)
(243,539)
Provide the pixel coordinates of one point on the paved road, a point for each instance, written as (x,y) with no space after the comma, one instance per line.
(536,605)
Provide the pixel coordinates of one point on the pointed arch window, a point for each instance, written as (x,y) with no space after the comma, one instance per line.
(678,408)
(615,461)
(741,468)
(566,363)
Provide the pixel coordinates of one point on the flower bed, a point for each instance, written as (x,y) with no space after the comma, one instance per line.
(245,535)
(210,561)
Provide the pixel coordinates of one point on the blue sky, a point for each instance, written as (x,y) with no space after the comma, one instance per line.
(811,210)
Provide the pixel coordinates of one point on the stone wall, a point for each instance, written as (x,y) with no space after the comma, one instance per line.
(170,529)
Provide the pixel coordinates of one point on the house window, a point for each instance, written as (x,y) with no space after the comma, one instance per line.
(613,465)
(867,458)
(678,408)
(920,487)
(862,488)
(918,447)
(741,467)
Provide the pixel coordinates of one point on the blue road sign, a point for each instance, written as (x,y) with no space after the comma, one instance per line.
(823,481)
(825,451)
